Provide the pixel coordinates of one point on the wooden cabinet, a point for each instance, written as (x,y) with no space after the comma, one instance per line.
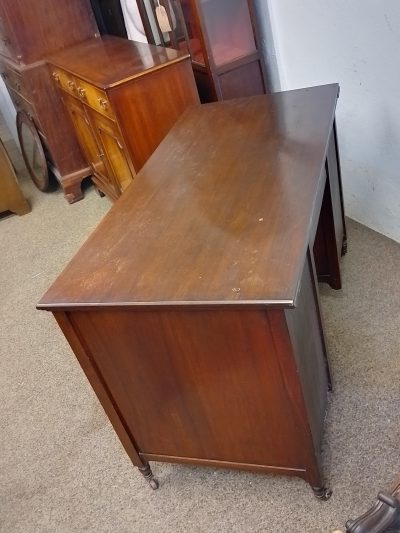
(29,31)
(222,38)
(11,197)
(122,98)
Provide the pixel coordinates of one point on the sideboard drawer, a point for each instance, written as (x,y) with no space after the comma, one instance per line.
(95,98)
(65,80)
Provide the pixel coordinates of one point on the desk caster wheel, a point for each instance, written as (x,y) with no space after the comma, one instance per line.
(153,484)
(322,493)
(148,476)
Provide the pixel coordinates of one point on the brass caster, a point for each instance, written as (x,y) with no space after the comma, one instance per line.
(322,493)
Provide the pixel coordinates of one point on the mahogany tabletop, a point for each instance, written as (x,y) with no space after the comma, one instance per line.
(109,61)
(220,214)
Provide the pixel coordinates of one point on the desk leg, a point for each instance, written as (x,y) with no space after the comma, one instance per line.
(339,178)
(326,255)
(330,240)
(104,395)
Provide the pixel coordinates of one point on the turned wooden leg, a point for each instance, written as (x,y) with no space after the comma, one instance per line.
(148,476)
(322,493)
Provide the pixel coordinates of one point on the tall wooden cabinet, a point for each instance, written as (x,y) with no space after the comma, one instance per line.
(222,38)
(30,31)
(122,98)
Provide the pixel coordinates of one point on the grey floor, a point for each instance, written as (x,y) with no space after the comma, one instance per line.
(62,468)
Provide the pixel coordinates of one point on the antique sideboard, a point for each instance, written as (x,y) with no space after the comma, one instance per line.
(193,308)
(122,98)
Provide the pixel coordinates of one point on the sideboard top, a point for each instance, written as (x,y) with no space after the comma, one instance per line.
(109,61)
(220,214)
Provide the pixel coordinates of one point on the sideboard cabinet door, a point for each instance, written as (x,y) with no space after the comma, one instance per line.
(112,146)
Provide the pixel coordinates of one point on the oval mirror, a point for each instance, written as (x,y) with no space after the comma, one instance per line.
(32,151)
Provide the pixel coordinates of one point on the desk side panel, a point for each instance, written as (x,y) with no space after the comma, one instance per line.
(200,384)
(98,384)
(304,324)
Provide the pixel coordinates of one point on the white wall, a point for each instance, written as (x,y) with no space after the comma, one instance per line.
(355,43)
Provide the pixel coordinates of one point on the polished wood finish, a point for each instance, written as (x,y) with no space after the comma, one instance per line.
(202,279)
(32,30)
(29,31)
(11,197)
(122,97)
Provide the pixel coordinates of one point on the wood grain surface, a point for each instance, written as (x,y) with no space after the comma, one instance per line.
(94,60)
(219,214)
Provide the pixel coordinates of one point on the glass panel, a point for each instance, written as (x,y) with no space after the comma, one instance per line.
(229,29)
(193,35)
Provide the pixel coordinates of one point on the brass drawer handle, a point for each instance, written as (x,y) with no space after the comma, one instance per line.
(56,77)
(71,85)
(81,92)
(103,103)
(119,144)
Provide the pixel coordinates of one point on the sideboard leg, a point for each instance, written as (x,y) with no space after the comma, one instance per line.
(72,192)
(148,476)
(322,493)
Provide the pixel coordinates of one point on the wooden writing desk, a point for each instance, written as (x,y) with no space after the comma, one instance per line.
(193,307)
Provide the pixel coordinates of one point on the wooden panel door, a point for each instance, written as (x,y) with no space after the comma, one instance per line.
(113,148)
(87,140)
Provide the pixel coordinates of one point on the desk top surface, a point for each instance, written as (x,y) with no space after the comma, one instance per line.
(220,214)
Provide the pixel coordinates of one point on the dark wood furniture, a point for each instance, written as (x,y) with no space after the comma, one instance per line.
(29,31)
(193,307)
(122,98)
(382,517)
(11,197)
(223,41)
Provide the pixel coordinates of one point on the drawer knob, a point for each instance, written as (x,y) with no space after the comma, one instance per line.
(6,41)
(56,77)
(81,92)
(18,86)
(102,103)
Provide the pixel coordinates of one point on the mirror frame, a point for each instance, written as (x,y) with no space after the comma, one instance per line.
(41,182)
